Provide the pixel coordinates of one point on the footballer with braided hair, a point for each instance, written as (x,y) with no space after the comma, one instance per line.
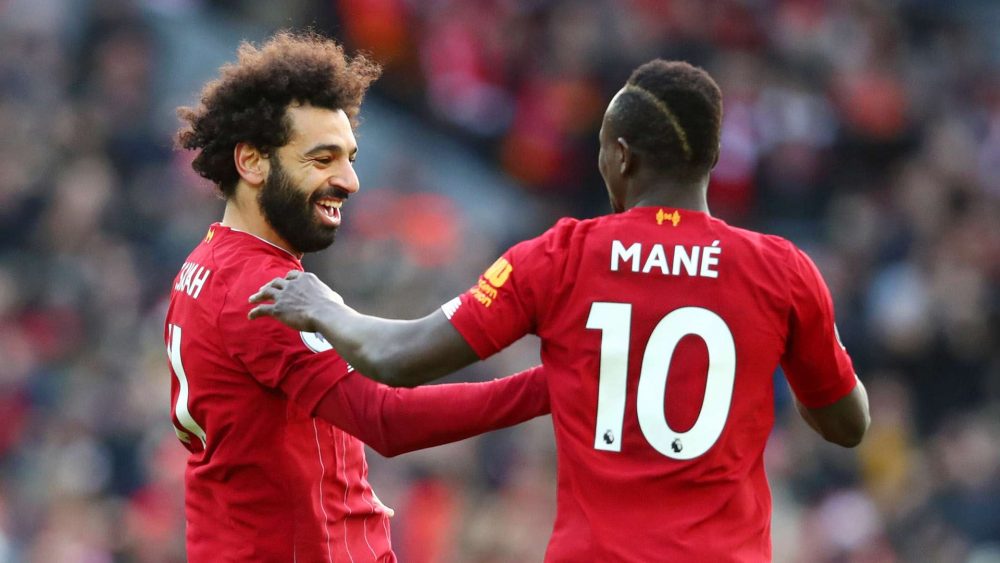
(671,112)
(661,329)
(274,419)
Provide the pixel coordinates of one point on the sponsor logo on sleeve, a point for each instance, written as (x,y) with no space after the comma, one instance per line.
(492,280)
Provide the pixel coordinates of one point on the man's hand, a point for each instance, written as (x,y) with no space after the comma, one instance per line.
(293,300)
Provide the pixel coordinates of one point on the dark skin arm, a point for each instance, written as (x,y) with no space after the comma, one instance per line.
(397,353)
(844,422)
(409,353)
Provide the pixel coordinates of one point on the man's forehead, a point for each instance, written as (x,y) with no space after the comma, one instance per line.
(312,125)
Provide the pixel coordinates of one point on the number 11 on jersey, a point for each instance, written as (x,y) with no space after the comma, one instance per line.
(614,320)
(181,408)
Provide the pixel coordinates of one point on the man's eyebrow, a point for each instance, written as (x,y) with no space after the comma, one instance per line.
(332,147)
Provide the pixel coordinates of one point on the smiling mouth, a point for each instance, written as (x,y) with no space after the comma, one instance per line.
(329,211)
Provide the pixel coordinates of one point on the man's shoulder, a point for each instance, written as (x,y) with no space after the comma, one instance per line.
(223,265)
(554,241)
(567,232)
(255,269)
(239,266)
(772,256)
(763,242)
(562,231)
(245,261)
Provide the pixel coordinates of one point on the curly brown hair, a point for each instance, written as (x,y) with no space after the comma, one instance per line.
(248,102)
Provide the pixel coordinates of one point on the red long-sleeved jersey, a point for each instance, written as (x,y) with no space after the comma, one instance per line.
(266,480)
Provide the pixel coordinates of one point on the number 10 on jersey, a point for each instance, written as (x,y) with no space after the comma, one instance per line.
(614,320)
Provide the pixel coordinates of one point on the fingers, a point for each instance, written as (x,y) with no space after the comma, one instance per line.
(269,290)
(265,293)
(265,310)
(292,274)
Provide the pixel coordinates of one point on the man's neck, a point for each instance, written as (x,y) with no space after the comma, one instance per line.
(243,215)
(666,194)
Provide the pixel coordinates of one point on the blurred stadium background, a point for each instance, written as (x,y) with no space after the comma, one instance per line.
(866,131)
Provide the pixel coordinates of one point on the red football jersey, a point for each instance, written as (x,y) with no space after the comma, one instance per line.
(265,481)
(661,330)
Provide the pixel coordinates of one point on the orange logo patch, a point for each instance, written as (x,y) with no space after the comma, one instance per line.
(498,273)
(493,278)
(209,235)
(674,217)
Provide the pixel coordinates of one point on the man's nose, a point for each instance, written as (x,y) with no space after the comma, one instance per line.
(348,181)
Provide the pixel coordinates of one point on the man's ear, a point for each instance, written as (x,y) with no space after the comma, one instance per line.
(626,158)
(251,164)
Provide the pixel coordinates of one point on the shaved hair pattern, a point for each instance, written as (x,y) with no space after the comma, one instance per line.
(670,112)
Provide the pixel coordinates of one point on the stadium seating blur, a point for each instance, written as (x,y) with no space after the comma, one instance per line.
(867,132)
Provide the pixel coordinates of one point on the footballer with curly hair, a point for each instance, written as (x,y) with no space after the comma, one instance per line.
(271,416)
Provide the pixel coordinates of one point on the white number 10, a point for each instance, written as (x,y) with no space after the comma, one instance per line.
(614,321)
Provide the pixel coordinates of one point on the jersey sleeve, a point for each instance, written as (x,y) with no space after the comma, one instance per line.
(396,420)
(508,299)
(303,366)
(815,362)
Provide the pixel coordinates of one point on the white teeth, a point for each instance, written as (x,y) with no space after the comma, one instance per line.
(334,204)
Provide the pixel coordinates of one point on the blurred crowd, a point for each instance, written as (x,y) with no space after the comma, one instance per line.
(868,132)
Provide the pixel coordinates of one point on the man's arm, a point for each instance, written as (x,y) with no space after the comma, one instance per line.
(394,421)
(398,353)
(844,422)
(828,394)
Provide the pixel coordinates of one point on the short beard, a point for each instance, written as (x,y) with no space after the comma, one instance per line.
(291,212)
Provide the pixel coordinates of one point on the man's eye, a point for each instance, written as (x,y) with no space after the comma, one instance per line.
(324,160)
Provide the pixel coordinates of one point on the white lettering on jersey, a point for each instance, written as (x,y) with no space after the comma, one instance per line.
(619,252)
(700,261)
(689,260)
(657,258)
(710,258)
(192,279)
